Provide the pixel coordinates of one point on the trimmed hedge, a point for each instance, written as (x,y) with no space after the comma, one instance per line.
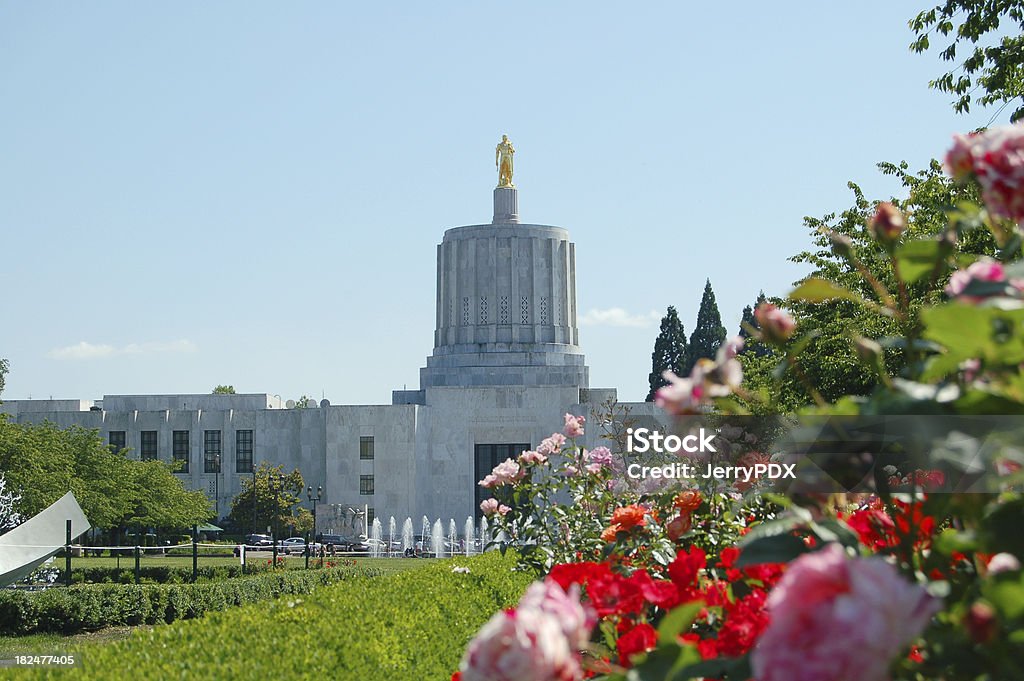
(411,625)
(162,574)
(88,607)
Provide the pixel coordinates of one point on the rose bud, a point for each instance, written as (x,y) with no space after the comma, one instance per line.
(868,351)
(887,224)
(776,325)
(981,622)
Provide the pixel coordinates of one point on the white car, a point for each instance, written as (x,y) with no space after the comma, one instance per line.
(298,545)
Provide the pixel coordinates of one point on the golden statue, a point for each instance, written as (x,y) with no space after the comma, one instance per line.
(503,160)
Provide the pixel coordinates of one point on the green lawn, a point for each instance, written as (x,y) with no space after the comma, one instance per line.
(49,644)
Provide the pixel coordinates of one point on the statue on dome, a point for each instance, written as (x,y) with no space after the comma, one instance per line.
(503,161)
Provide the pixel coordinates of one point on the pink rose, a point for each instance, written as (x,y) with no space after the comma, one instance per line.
(996,158)
(836,618)
(1003,562)
(983,269)
(552,445)
(489,506)
(597,459)
(575,620)
(573,425)
(503,510)
(505,473)
(518,645)
(681,395)
(531,457)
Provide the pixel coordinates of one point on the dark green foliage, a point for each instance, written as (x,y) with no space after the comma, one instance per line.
(42,462)
(87,607)
(709,334)
(285,502)
(162,574)
(749,321)
(993,60)
(669,351)
(4,367)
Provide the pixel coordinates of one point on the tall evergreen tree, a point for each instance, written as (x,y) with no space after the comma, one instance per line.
(709,333)
(669,351)
(751,320)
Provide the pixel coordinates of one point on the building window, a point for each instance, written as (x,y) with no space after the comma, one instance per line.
(211,451)
(370,515)
(366,448)
(243,451)
(486,457)
(148,449)
(116,440)
(179,450)
(366,484)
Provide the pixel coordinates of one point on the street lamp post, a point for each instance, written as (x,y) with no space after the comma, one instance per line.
(309,496)
(275,484)
(314,499)
(255,529)
(216,484)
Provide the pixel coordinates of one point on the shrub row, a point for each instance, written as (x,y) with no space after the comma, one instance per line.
(162,574)
(88,607)
(409,625)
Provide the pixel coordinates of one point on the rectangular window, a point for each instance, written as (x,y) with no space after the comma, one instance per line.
(486,457)
(179,450)
(366,448)
(366,484)
(117,440)
(243,451)
(148,449)
(211,451)
(370,515)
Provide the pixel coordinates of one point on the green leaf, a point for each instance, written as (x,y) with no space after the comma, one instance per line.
(917,259)
(676,621)
(815,290)
(993,335)
(1006,592)
(780,548)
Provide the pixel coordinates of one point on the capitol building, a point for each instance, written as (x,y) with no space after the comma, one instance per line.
(507,363)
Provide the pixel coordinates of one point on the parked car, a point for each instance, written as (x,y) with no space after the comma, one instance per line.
(297,545)
(258,540)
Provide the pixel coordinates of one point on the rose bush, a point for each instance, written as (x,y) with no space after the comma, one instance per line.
(910,572)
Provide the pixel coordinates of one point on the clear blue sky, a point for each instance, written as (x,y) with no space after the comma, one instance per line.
(251,193)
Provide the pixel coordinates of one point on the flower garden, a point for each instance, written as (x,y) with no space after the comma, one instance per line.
(910,572)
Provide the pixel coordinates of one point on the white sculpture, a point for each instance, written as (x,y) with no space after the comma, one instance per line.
(29,545)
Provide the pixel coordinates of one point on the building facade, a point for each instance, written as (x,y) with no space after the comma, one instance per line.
(505,366)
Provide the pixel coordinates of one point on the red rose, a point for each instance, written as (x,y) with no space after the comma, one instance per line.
(639,639)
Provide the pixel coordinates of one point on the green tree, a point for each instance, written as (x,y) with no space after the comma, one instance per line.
(42,462)
(4,368)
(830,362)
(224,390)
(285,502)
(749,321)
(993,57)
(709,334)
(304,402)
(669,351)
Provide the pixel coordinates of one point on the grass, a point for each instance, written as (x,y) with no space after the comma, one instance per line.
(56,644)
